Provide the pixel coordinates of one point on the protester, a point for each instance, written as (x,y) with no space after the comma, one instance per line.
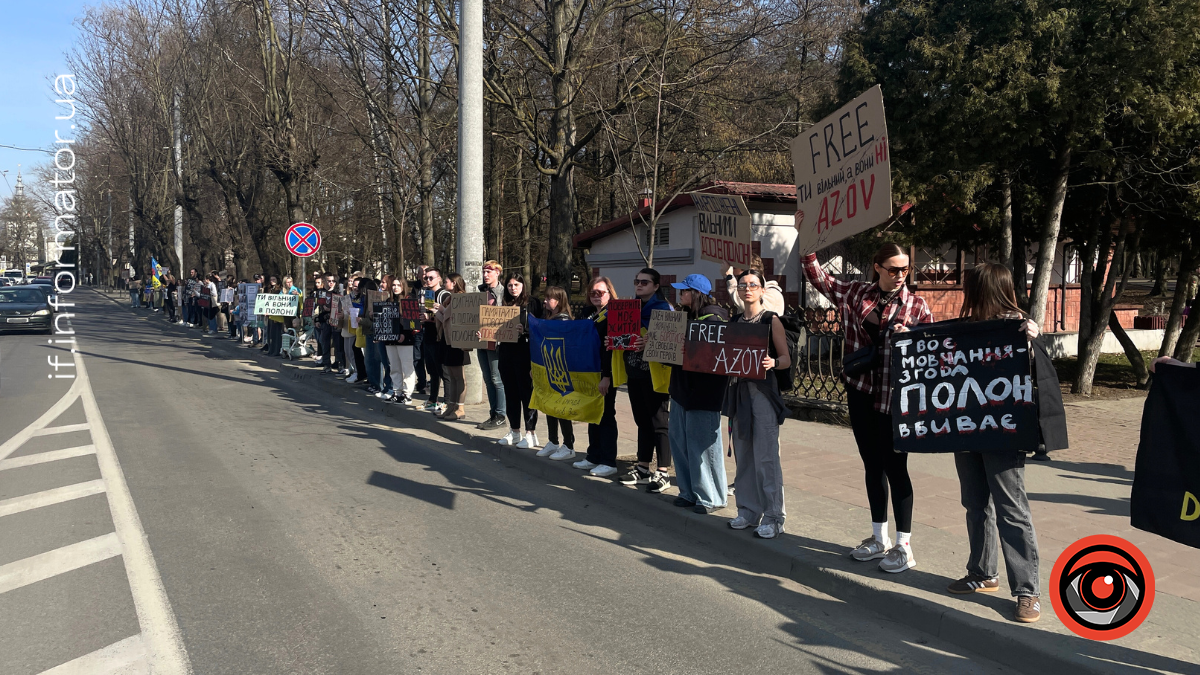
(648,386)
(347,332)
(515,366)
(488,358)
(169,299)
(992,484)
(452,359)
(556,306)
(756,410)
(212,296)
(274,323)
(135,293)
(697,444)
(433,295)
(358,303)
(400,353)
(772,293)
(873,312)
(323,330)
(372,350)
(601,458)
(418,294)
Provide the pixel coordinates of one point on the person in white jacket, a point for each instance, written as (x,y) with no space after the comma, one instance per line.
(772,298)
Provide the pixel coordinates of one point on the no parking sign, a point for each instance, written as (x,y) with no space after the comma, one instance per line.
(302,240)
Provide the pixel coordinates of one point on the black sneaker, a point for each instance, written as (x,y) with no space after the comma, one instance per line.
(659,483)
(700,508)
(683,503)
(636,476)
(495,423)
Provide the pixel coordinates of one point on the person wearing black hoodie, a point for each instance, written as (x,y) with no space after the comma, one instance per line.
(649,405)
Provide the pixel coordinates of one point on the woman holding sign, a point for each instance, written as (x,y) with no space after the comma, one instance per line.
(756,410)
(400,352)
(515,366)
(992,484)
(601,459)
(453,378)
(871,313)
(648,388)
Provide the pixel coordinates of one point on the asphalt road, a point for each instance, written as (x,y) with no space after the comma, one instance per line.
(265,529)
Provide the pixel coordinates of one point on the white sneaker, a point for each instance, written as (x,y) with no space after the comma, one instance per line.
(344,372)
(550,449)
(871,549)
(528,442)
(413,403)
(740,523)
(562,453)
(769,530)
(510,438)
(898,559)
(353,378)
(584,464)
(604,471)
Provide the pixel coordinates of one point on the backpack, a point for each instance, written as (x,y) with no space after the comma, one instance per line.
(792,325)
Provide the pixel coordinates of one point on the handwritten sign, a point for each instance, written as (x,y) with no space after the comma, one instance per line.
(227,295)
(411,314)
(464,320)
(726,348)
(335,309)
(624,323)
(843,174)
(665,337)
(723,223)
(308,307)
(273,304)
(963,386)
(499,324)
(387,321)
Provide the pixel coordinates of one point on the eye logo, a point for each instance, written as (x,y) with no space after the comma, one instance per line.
(1102,587)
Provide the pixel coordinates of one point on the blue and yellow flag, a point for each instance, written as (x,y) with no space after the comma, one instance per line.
(566,369)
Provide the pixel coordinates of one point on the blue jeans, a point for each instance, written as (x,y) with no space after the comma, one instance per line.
(374,365)
(697,449)
(418,345)
(133,298)
(489,363)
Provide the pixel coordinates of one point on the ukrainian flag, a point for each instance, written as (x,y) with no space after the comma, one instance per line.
(566,369)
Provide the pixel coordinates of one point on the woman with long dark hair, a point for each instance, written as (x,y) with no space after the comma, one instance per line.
(992,484)
(515,367)
(601,459)
(557,307)
(648,385)
(403,378)
(454,386)
(871,313)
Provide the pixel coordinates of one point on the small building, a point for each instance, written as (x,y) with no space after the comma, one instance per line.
(612,249)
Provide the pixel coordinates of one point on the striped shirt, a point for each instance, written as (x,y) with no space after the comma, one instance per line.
(855,300)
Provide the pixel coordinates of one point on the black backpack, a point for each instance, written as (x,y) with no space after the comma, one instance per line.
(792,326)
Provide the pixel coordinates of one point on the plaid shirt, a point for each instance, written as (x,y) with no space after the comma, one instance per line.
(855,300)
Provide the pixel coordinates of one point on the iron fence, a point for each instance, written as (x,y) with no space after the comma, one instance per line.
(819,372)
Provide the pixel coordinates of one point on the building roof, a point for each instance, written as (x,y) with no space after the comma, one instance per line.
(759,192)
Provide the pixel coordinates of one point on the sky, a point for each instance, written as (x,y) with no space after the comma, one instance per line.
(34,36)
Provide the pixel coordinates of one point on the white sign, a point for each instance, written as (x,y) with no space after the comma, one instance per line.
(723,223)
(843,174)
(273,304)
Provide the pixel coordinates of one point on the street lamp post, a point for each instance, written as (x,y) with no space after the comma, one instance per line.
(470,161)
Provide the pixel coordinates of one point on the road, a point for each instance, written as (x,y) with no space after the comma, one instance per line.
(194,513)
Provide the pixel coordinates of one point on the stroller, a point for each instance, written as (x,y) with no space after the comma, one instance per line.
(295,346)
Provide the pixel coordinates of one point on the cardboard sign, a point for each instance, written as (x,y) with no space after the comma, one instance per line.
(387,321)
(735,349)
(1165,498)
(276,305)
(308,307)
(843,174)
(961,385)
(499,324)
(227,294)
(723,223)
(624,323)
(335,309)
(354,311)
(411,314)
(665,337)
(464,320)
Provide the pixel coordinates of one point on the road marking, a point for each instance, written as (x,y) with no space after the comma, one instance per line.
(159,628)
(10,446)
(49,497)
(128,652)
(43,457)
(59,561)
(66,429)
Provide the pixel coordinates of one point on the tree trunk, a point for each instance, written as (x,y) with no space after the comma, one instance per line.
(562,228)
(1191,333)
(1189,258)
(1019,266)
(1160,275)
(523,220)
(1107,298)
(1006,222)
(1048,242)
(1131,351)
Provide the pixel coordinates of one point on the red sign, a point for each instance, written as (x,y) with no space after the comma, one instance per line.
(302,240)
(624,323)
(726,348)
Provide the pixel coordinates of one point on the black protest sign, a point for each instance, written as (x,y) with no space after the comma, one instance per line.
(735,349)
(963,385)
(1165,498)
(387,319)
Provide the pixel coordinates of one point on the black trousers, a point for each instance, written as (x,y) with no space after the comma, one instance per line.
(568,434)
(274,338)
(360,365)
(432,357)
(518,389)
(884,466)
(651,413)
(602,438)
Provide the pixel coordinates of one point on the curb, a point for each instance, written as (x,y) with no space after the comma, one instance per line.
(1022,647)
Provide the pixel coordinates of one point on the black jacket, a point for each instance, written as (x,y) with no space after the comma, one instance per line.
(1051,416)
(700,391)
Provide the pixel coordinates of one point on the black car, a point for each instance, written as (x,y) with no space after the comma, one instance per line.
(26,308)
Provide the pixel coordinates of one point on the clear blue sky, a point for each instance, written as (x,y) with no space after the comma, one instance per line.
(34,36)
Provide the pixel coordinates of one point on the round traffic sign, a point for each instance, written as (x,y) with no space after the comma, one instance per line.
(302,240)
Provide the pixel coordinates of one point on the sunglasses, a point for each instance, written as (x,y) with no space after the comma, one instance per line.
(897,271)
(748,287)
(429,278)
(598,294)
(642,282)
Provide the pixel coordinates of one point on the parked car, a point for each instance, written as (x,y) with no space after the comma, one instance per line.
(26,308)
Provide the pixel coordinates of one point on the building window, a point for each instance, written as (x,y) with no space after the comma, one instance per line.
(663,238)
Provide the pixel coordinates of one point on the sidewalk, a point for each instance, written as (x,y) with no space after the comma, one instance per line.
(1083,491)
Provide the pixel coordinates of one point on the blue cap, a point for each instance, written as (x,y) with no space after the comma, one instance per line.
(695,282)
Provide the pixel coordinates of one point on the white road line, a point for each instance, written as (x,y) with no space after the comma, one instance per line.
(65,429)
(10,446)
(59,561)
(43,457)
(108,660)
(159,628)
(50,497)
